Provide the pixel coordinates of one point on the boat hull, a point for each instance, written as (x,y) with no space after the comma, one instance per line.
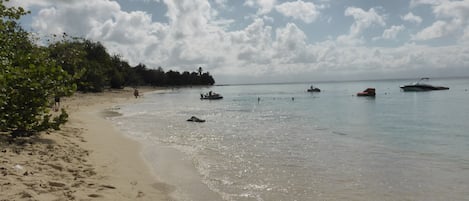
(212,98)
(368,92)
(314,90)
(422,88)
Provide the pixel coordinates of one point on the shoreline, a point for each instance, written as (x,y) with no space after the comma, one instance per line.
(168,165)
(88,159)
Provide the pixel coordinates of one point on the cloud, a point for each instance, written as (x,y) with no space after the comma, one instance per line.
(221,3)
(306,11)
(465,37)
(130,34)
(195,34)
(264,6)
(252,45)
(410,17)
(290,44)
(415,3)
(363,20)
(453,17)
(83,16)
(392,32)
(436,30)
(29,4)
(457,10)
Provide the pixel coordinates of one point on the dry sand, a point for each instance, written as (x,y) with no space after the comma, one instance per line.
(86,160)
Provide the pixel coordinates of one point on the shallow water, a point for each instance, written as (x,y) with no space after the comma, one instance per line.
(296,145)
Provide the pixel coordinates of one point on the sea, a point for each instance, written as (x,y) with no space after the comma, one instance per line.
(279,142)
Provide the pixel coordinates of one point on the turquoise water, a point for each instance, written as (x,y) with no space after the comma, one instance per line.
(332,145)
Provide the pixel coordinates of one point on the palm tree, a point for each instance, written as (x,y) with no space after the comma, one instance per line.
(200,71)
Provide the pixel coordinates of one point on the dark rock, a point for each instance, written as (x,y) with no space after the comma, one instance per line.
(195,119)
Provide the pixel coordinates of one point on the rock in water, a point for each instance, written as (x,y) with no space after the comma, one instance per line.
(195,119)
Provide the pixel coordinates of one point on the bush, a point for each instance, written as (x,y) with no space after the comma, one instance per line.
(28,80)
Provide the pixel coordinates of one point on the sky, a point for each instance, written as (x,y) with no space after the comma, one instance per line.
(258,41)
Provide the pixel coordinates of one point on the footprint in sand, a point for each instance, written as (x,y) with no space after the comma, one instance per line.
(140,194)
(94,196)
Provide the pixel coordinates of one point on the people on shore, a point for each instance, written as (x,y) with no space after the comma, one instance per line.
(136,94)
(56,103)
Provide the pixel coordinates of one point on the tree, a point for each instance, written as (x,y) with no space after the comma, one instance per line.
(29,79)
(70,53)
(200,71)
(173,78)
(207,79)
(118,71)
(97,68)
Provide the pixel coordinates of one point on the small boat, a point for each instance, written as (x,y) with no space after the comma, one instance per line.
(313,89)
(368,92)
(419,86)
(210,96)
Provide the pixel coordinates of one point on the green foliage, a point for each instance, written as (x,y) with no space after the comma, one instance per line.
(172,78)
(26,96)
(28,80)
(70,54)
(87,61)
(93,69)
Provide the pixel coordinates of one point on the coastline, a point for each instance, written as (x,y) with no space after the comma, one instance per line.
(87,159)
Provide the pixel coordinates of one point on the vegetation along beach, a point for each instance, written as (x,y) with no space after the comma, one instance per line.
(251,100)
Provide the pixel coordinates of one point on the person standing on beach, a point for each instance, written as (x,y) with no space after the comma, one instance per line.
(56,103)
(136,93)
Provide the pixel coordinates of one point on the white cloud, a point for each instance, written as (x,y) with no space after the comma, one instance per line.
(465,37)
(290,44)
(221,3)
(306,11)
(84,16)
(415,3)
(410,17)
(458,10)
(453,17)
(195,35)
(392,32)
(363,20)
(252,44)
(436,30)
(28,4)
(264,6)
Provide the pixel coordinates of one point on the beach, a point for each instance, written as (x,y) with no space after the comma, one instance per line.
(88,159)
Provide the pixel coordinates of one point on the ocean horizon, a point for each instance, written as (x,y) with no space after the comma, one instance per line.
(408,79)
(280,142)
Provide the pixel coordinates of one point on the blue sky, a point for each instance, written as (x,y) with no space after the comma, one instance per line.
(248,41)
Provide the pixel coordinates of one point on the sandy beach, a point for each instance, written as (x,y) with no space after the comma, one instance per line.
(88,159)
